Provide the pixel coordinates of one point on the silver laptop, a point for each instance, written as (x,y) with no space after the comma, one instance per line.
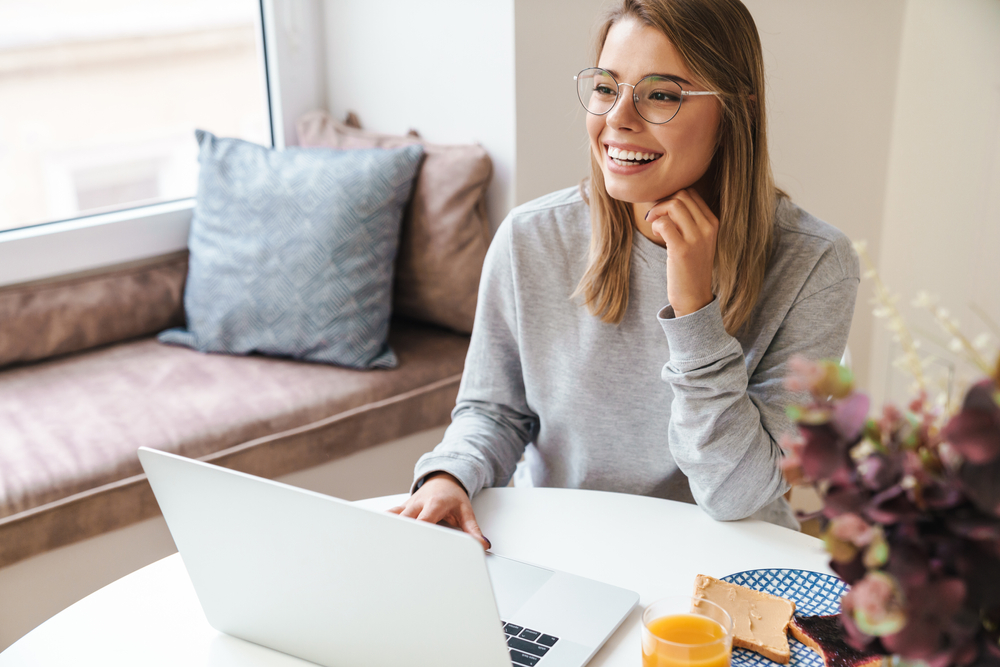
(341,585)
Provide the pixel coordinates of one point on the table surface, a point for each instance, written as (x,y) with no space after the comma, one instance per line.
(652,546)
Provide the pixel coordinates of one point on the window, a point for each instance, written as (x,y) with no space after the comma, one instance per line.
(99,100)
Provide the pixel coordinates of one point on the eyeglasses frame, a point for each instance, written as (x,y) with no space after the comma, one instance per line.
(635,99)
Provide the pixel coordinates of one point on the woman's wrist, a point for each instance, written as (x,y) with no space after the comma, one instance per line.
(688,305)
(438,473)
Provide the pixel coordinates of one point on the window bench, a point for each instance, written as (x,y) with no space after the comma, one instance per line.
(87,384)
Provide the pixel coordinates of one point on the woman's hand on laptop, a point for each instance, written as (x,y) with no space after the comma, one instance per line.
(442,500)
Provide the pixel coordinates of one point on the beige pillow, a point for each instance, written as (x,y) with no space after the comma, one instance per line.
(445,229)
(71,313)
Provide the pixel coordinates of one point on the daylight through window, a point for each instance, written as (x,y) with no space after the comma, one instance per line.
(99,100)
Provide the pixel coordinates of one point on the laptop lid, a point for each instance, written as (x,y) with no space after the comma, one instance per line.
(322,579)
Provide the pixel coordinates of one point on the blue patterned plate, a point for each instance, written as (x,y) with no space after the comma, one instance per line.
(814,594)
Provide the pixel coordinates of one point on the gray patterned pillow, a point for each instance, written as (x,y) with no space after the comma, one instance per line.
(292,251)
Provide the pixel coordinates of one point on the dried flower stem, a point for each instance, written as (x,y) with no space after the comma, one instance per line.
(896,322)
(949,324)
(987,320)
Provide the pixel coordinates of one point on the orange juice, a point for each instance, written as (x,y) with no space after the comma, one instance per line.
(690,641)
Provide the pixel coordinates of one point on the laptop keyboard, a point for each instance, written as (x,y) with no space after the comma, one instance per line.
(527,646)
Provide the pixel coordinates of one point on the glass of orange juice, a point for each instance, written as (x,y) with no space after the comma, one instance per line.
(683,631)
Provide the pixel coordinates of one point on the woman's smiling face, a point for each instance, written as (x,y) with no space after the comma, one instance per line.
(681,149)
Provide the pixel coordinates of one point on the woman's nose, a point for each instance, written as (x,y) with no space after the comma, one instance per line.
(624,114)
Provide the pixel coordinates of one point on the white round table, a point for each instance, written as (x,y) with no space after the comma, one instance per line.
(655,547)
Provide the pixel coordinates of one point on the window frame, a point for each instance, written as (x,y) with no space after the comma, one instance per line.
(64,247)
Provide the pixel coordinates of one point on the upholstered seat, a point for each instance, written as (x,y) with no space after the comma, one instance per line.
(71,425)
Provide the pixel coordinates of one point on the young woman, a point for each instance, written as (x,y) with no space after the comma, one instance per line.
(652,363)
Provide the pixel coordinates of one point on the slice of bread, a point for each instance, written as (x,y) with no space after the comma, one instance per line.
(760,620)
(825,635)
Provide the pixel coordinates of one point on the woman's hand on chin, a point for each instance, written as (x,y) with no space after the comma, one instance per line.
(690,229)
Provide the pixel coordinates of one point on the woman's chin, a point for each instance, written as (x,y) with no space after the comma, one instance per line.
(625,192)
(636,193)
(631,195)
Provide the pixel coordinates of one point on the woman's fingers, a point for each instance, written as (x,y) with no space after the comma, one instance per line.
(411,509)
(668,231)
(469,525)
(689,229)
(680,211)
(442,500)
(677,211)
(435,511)
(699,211)
(677,227)
(432,511)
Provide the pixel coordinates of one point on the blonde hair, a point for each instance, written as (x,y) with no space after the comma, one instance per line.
(719,43)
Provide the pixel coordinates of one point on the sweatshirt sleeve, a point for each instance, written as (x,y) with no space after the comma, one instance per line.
(491,422)
(724,426)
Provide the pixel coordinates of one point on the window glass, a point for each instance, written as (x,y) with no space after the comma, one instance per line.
(99,100)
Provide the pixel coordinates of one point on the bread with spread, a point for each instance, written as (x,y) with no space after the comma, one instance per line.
(760,620)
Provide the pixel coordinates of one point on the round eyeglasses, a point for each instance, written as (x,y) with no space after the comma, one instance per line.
(657,98)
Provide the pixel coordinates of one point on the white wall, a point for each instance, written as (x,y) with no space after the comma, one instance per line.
(831,72)
(553,41)
(942,211)
(442,67)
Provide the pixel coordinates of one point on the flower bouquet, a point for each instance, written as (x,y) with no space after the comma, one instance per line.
(911,514)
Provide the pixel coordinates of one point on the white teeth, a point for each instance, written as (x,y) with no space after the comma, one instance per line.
(624,157)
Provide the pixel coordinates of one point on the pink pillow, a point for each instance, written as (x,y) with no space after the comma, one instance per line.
(445,229)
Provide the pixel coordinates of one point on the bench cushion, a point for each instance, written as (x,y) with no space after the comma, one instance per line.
(69,427)
(68,314)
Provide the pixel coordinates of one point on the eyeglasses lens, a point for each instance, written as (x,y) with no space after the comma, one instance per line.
(597,90)
(657,99)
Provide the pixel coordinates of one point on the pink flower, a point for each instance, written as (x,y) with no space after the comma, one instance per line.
(804,374)
(917,404)
(852,528)
(791,443)
(824,379)
(891,415)
(876,605)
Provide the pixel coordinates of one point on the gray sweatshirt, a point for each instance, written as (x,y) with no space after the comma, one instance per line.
(658,405)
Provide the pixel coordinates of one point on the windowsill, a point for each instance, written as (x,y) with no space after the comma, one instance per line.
(71,246)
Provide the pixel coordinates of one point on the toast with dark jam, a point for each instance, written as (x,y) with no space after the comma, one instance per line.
(825,635)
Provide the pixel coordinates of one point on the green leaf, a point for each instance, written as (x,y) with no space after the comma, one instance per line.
(877,552)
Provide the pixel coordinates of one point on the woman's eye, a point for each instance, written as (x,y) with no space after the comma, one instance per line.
(604,90)
(664,97)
